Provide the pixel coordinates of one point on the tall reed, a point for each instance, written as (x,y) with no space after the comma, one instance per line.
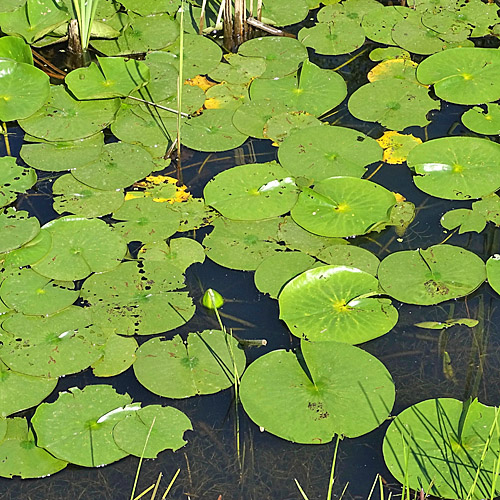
(85,13)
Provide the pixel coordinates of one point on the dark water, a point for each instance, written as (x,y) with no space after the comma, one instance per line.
(209,464)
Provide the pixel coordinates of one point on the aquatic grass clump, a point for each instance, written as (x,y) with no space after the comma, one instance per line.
(85,13)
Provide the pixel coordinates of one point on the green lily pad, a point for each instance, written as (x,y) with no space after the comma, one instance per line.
(281,126)
(395,104)
(79,247)
(161,427)
(238,69)
(456,168)
(300,91)
(14,179)
(282,55)
(16,229)
(242,245)
(444,325)
(466,220)
(443,446)
(111,77)
(119,165)
(27,292)
(387,53)
(252,192)
(463,75)
(483,122)
(481,16)
(493,272)
(351,256)
(13,47)
(19,392)
(19,455)
(50,346)
(30,253)
(203,365)
(345,391)
(61,156)
(148,7)
(226,96)
(10,5)
(139,298)
(63,118)
(342,206)
(163,77)
(336,303)
(118,354)
(283,12)
(79,425)
(328,151)
(25,89)
(378,25)
(194,214)
(489,208)
(431,276)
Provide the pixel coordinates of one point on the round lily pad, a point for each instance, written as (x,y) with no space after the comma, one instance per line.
(238,69)
(456,168)
(283,12)
(337,303)
(483,122)
(118,354)
(63,118)
(79,425)
(14,179)
(251,192)
(345,391)
(162,427)
(30,253)
(226,96)
(351,256)
(463,75)
(378,25)
(139,298)
(79,247)
(328,151)
(16,229)
(279,127)
(342,206)
(443,447)
(205,364)
(493,272)
(431,276)
(465,219)
(13,47)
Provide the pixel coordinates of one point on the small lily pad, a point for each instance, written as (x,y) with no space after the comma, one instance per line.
(443,325)
(16,229)
(30,253)
(483,122)
(467,220)
(493,272)
(118,354)
(14,179)
(397,146)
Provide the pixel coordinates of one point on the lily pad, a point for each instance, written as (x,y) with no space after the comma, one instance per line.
(203,365)
(226,96)
(493,272)
(351,256)
(161,427)
(483,122)
(345,391)
(14,179)
(79,247)
(30,253)
(466,220)
(336,303)
(328,151)
(118,354)
(283,12)
(238,69)
(16,229)
(342,206)
(379,24)
(13,47)
(397,146)
(456,168)
(431,276)
(281,126)
(79,425)
(10,5)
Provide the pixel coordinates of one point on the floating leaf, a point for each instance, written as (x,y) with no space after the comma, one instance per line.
(238,69)
(466,220)
(16,229)
(13,47)
(14,179)
(226,96)
(397,146)
(493,272)
(351,256)
(400,68)
(386,53)
(379,24)
(118,354)
(443,325)
(279,127)
(30,253)
(483,122)
(283,12)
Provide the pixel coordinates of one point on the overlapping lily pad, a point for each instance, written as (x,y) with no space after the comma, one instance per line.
(238,69)
(30,253)
(481,121)
(431,276)
(14,179)
(16,229)
(345,391)
(118,354)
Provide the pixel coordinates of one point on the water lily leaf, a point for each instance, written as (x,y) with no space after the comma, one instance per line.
(10,5)
(279,127)
(139,298)
(379,24)
(14,179)
(119,165)
(397,146)
(16,229)
(181,252)
(319,153)
(300,91)
(50,346)
(481,16)
(161,427)
(335,396)
(336,303)
(176,369)
(431,276)
(283,12)
(443,447)
(351,256)
(242,245)
(463,75)
(118,354)
(489,208)
(443,325)
(238,69)
(278,269)
(342,206)
(148,7)
(79,424)
(111,77)
(282,55)
(466,220)
(25,89)
(63,118)
(146,220)
(19,392)
(252,192)
(226,96)
(353,9)
(493,272)
(13,47)
(212,131)
(384,54)
(30,253)
(481,121)
(20,455)
(400,68)
(194,214)
(395,104)
(61,156)
(456,168)
(143,34)
(163,77)
(79,247)
(27,292)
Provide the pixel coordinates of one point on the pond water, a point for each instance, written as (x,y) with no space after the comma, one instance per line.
(266,467)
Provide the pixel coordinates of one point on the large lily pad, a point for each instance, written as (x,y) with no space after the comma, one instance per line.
(431,276)
(205,364)
(442,446)
(345,391)
(16,229)
(337,303)
(456,168)
(14,179)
